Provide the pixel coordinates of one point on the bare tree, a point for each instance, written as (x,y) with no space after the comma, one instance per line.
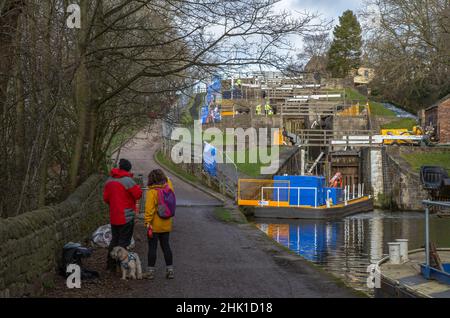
(315,51)
(408,47)
(68,93)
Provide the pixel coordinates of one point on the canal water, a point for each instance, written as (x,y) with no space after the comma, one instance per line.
(348,246)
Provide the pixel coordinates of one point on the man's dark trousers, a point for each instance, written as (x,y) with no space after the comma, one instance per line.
(121,236)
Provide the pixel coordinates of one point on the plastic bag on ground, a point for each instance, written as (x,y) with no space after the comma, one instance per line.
(102,237)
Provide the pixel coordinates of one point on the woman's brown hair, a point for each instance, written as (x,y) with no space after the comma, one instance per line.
(156,177)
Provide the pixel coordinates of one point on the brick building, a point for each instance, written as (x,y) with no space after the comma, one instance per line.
(438,116)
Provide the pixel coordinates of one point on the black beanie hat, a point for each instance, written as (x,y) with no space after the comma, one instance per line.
(124,164)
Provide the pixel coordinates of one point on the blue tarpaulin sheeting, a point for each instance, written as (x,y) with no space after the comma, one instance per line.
(209,159)
(213,90)
(311,194)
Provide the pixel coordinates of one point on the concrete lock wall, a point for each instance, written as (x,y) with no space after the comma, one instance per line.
(376,171)
(345,124)
(403,185)
(31,243)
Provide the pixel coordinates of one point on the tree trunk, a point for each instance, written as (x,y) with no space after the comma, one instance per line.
(46,145)
(82,97)
(19,142)
(9,16)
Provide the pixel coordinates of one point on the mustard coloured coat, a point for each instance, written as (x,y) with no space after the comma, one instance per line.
(151,210)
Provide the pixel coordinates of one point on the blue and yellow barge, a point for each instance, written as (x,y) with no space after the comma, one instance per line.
(302,197)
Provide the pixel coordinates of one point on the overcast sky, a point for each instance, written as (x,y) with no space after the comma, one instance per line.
(330,9)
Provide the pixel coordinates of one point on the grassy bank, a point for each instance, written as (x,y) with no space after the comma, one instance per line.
(407,123)
(376,108)
(225,215)
(416,160)
(190,112)
(186,116)
(224,139)
(251,169)
(172,166)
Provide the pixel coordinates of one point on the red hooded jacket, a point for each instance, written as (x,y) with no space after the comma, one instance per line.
(121,194)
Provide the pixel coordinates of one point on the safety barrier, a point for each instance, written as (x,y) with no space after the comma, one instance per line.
(279,193)
(350,193)
(250,192)
(289,189)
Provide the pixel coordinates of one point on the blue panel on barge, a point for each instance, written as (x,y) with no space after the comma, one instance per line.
(307,196)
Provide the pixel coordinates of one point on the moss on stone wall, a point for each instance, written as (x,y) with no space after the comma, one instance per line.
(31,243)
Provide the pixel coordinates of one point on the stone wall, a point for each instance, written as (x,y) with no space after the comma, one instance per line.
(31,243)
(291,163)
(350,123)
(403,185)
(391,179)
(378,121)
(376,171)
(366,170)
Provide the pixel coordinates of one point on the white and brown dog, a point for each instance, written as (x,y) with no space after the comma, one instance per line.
(130,264)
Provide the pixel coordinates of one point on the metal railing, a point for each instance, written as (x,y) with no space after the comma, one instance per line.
(350,193)
(290,92)
(428,204)
(326,138)
(289,191)
(249,190)
(257,192)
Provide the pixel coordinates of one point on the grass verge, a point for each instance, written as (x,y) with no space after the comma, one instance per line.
(225,215)
(171,166)
(376,108)
(406,123)
(251,169)
(416,160)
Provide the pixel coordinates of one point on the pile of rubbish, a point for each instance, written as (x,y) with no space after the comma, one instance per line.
(74,253)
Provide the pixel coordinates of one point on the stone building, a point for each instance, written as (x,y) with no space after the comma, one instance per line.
(363,76)
(438,116)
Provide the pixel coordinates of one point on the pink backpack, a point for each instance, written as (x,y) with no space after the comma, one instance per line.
(166,202)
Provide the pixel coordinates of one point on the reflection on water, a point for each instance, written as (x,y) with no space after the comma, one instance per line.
(346,247)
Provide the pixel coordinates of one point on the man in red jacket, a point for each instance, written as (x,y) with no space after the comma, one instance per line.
(121,193)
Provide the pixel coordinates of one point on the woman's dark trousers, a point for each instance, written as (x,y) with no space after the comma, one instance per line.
(163,239)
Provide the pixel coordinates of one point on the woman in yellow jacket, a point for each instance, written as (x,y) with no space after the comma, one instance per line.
(161,228)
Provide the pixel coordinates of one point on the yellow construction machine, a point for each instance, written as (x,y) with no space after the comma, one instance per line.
(416,131)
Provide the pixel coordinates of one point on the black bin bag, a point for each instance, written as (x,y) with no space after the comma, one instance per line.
(73,253)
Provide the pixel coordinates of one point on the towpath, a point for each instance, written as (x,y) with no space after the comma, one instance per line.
(212,258)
